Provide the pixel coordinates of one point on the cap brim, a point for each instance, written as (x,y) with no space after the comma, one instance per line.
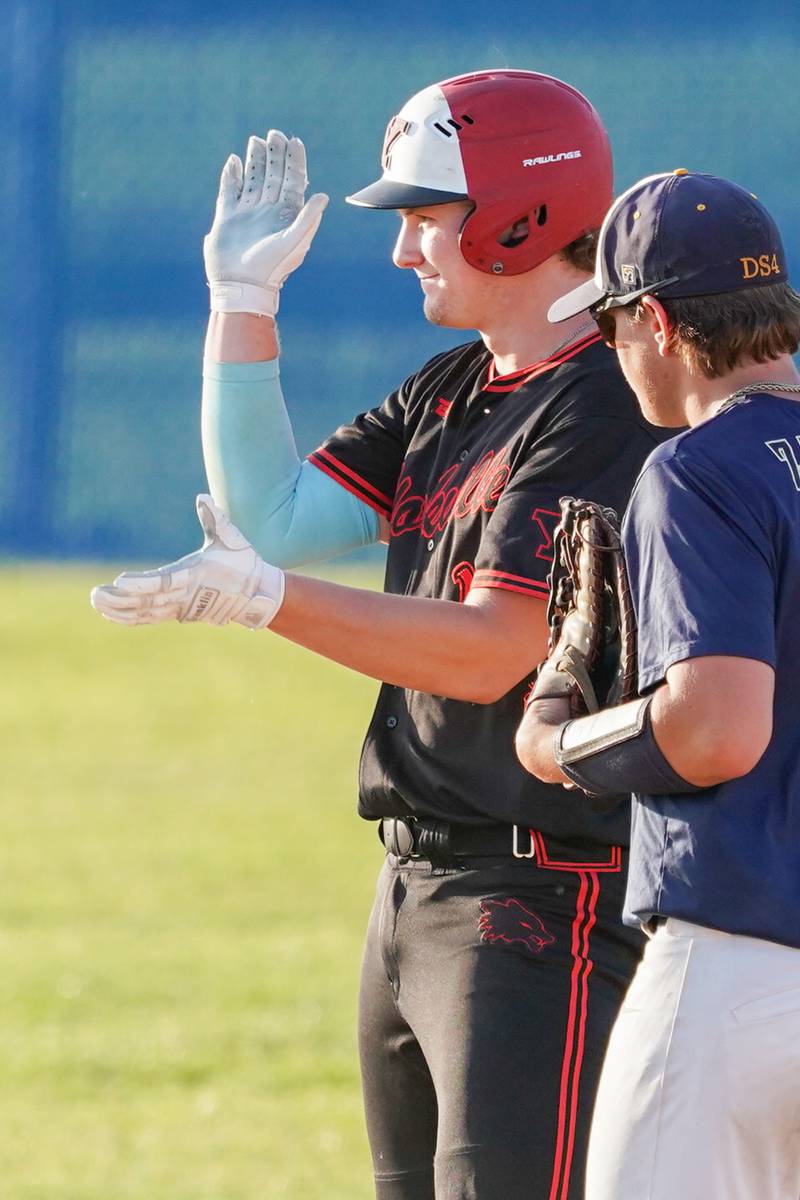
(576,301)
(386,193)
(589,294)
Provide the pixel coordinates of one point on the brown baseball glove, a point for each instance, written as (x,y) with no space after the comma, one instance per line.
(591,656)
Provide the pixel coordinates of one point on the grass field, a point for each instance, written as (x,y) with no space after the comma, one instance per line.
(183,893)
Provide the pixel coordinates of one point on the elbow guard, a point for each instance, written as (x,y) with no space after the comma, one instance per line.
(615,750)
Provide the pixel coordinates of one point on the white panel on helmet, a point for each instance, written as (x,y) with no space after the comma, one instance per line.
(426,153)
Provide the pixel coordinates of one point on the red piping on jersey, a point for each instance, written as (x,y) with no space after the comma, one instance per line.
(332,466)
(485,578)
(585,918)
(509,383)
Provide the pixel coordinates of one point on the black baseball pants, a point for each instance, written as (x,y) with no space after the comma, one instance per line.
(488,994)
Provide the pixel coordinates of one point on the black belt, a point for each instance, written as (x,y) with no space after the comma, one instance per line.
(442,843)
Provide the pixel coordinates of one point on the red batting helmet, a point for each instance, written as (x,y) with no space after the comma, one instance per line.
(515,143)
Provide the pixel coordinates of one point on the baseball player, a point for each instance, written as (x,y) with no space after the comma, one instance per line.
(495,959)
(700,1092)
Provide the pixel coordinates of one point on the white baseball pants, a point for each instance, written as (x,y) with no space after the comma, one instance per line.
(699,1096)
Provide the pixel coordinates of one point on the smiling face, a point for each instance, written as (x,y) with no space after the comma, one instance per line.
(456,295)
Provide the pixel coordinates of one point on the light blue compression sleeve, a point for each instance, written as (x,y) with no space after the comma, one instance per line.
(289,510)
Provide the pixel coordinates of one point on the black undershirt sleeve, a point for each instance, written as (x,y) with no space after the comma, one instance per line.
(366,455)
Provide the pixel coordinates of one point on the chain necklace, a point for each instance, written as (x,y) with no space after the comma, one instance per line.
(572,337)
(568,340)
(744,393)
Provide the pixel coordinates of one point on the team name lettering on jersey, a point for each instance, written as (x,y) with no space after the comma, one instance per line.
(783,449)
(427,515)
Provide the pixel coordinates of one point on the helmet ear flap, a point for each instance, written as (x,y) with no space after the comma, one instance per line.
(490,244)
(467,215)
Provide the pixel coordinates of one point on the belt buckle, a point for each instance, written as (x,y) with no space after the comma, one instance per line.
(515,850)
(398,837)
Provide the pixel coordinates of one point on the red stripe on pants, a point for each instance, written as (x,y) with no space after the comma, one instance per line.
(585,918)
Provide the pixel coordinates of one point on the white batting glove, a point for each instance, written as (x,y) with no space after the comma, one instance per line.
(223,581)
(262,230)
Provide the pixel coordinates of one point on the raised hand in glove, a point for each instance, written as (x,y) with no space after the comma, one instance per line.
(262,229)
(225,580)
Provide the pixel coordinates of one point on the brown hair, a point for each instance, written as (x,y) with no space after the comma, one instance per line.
(715,334)
(581,253)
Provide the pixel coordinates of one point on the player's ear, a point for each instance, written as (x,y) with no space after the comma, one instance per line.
(659,324)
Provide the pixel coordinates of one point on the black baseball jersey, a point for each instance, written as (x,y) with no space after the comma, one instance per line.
(468,467)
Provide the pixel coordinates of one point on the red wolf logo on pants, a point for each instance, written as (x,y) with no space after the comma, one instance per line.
(510,921)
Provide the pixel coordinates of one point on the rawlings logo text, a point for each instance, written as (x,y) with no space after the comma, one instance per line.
(542,159)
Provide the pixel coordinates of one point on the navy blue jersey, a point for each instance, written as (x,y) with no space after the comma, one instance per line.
(712,539)
(468,468)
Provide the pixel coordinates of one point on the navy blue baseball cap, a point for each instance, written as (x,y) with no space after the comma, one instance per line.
(679,234)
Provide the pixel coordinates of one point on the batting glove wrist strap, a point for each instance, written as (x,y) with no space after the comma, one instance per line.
(230,297)
(217,606)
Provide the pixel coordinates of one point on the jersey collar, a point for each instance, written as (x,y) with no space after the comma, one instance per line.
(509,383)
